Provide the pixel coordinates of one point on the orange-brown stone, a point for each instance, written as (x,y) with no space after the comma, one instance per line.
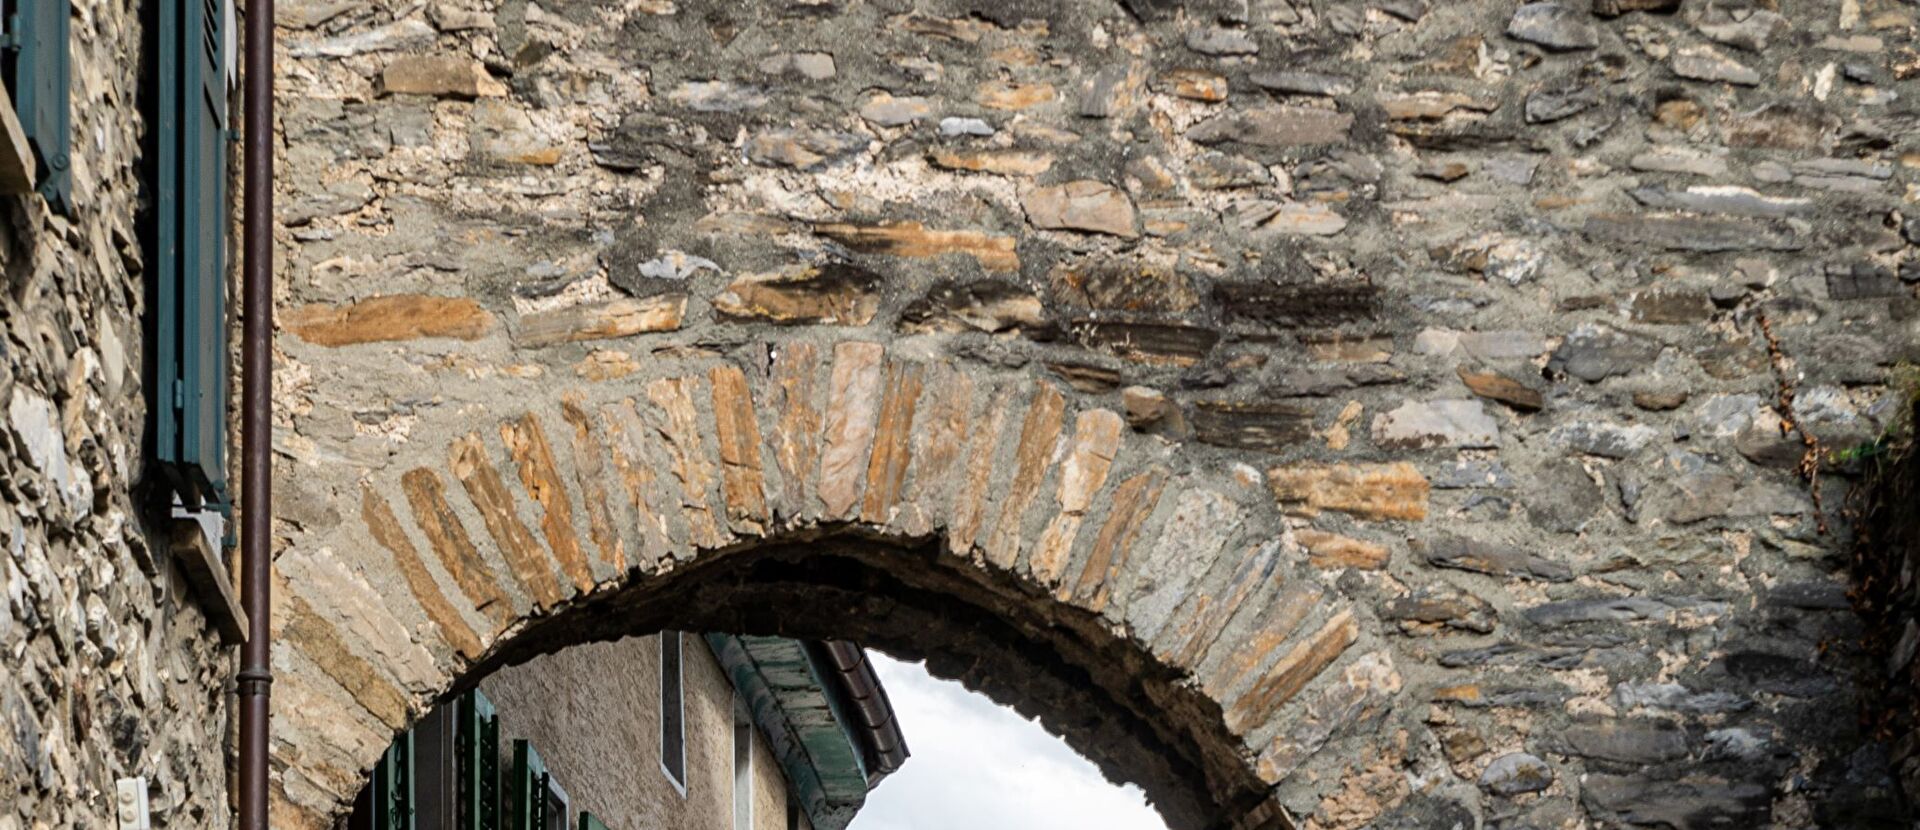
(912,239)
(527,443)
(467,457)
(320,642)
(853,406)
(998,162)
(892,442)
(382,319)
(680,432)
(1096,442)
(1133,501)
(1283,614)
(455,549)
(1332,551)
(796,440)
(386,530)
(623,317)
(941,435)
(1298,667)
(1201,619)
(589,470)
(1495,386)
(1037,436)
(970,501)
(736,428)
(1365,491)
(1005,95)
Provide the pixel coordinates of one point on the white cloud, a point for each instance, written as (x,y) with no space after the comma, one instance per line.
(976,765)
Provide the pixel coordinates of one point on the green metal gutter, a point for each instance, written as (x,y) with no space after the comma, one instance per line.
(824,716)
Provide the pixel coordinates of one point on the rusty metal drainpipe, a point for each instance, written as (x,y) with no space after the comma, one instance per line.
(256,417)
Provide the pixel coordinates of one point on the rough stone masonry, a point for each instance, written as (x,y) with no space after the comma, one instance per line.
(1421,393)
(1497,325)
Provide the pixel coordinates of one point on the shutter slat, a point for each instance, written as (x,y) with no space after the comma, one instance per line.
(477,739)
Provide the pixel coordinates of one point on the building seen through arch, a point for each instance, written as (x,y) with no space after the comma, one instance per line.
(667,731)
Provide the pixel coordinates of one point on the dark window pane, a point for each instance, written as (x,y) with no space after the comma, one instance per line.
(673,751)
(433,766)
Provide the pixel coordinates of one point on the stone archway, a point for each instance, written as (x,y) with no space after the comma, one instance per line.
(1414,392)
(1151,612)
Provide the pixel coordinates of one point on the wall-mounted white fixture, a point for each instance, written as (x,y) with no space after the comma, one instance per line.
(130,798)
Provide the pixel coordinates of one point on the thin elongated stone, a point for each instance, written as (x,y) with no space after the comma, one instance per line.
(527,443)
(389,318)
(853,408)
(970,502)
(1096,442)
(1202,525)
(1293,672)
(314,637)
(623,317)
(892,443)
(940,434)
(1133,502)
(1365,491)
(467,457)
(1037,436)
(625,437)
(1283,614)
(1207,613)
(680,433)
(386,530)
(589,469)
(450,542)
(738,432)
(796,440)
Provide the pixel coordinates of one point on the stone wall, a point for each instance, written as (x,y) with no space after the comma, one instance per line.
(1594,274)
(593,713)
(108,668)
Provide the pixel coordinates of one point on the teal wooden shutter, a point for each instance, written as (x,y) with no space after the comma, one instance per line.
(189,249)
(37,66)
(530,778)
(393,786)
(477,740)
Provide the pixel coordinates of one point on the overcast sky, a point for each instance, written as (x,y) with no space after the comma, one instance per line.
(975,765)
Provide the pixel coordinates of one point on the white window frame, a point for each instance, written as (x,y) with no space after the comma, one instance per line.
(680,699)
(742,776)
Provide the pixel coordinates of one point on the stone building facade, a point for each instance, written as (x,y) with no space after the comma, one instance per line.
(110,668)
(1327,413)
(717,731)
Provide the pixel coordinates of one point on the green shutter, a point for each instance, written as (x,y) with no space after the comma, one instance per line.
(37,67)
(588,822)
(529,788)
(188,249)
(477,741)
(393,786)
